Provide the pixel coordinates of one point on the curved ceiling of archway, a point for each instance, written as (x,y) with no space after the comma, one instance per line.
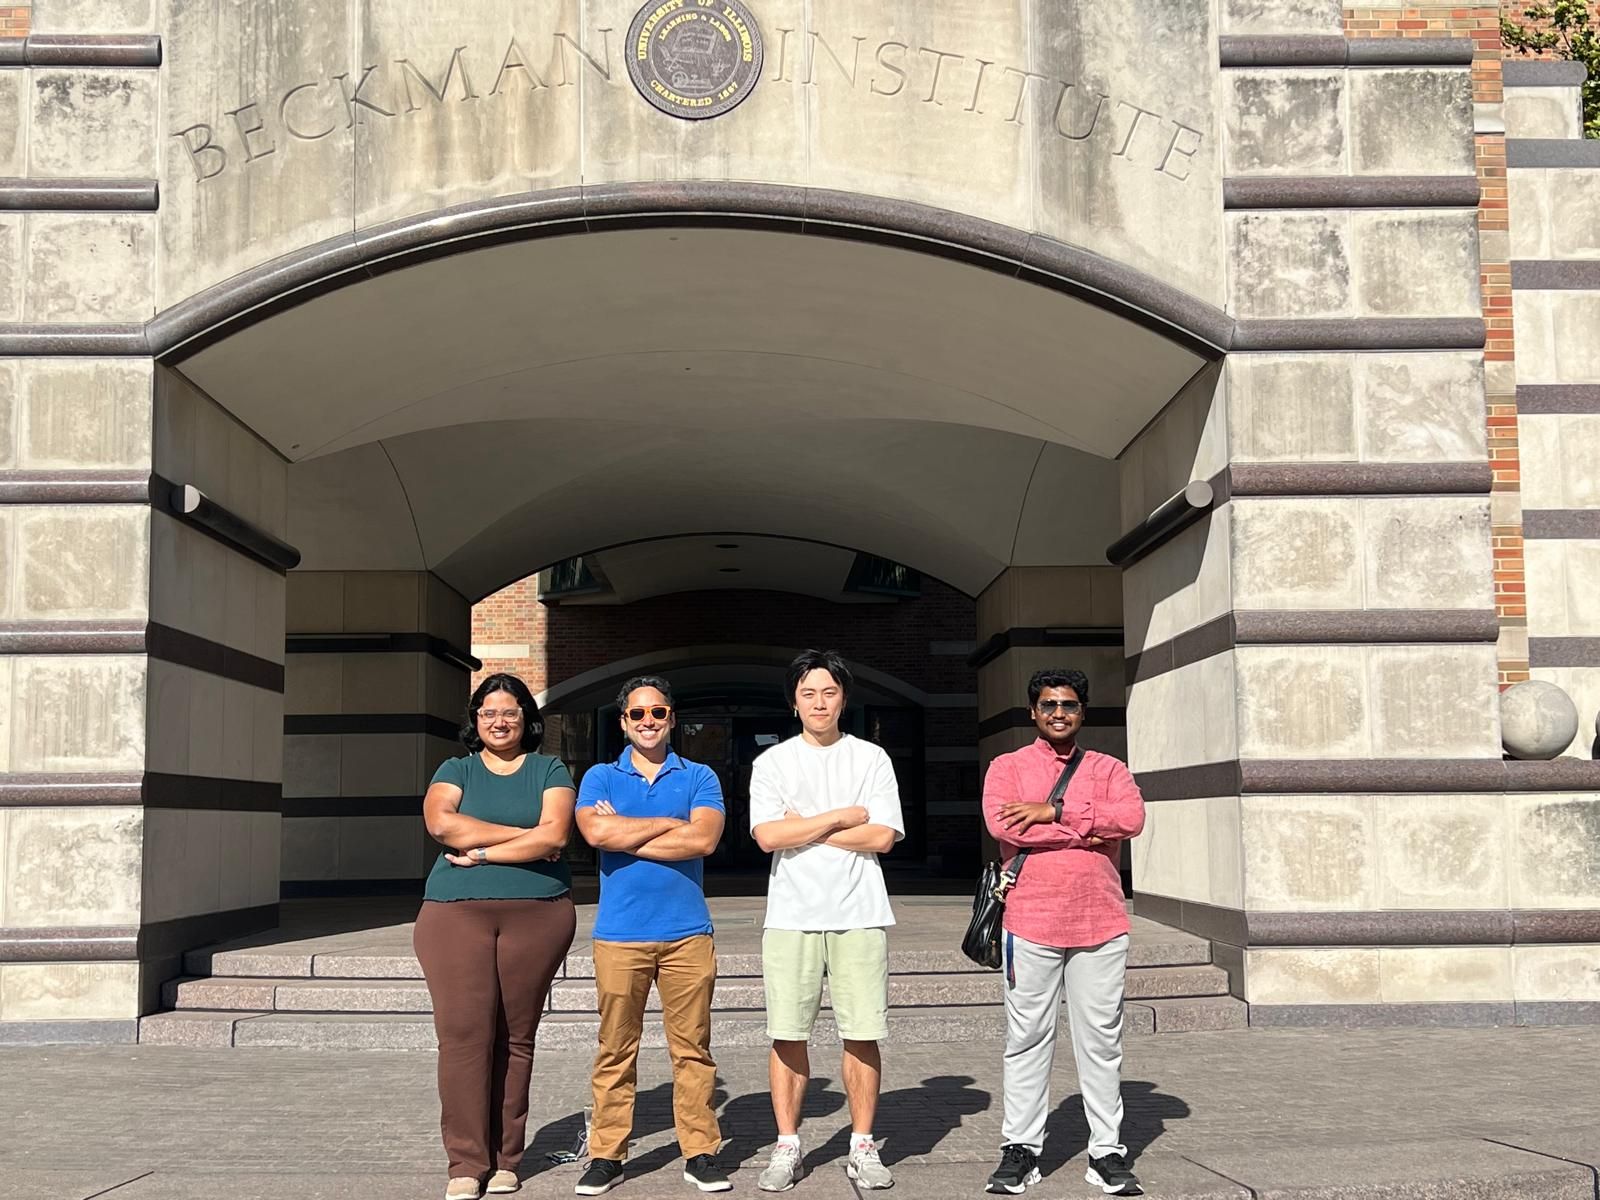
(488,413)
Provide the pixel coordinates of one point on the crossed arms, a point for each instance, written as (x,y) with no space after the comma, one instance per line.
(1086,821)
(664,839)
(846,828)
(504,843)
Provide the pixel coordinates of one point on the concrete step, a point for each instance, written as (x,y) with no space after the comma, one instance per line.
(1174,949)
(562,1030)
(238,994)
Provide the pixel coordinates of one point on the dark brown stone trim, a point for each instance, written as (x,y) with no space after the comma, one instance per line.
(116,789)
(72,637)
(1365,626)
(187,650)
(1538,72)
(1350,191)
(1190,646)
(187,503)
(1544,926)
(1361,333)
(1528,275)
(80,1033)
(262,291)
(1374,776)
(1564,652)
(1486,927)
(1171,517)
(65,341)
(75,487)
(384,643)
(199,792)
(1333,50)
(1034,636)
(1536,153)
(1375,1016)
(19,789)
(1099,716)
(1359,479)
(1550,524)
(79,195)
(1226,925)
(1555,398)
(352,806)
(356,723)
(91,50)
(1558,1012)
(84,943)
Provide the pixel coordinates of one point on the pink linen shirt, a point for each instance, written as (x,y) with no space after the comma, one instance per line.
(1069,893)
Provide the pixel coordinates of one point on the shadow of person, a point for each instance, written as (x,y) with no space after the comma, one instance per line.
(1145,1113)
(748,1126)
(652,1113)
(919,1118)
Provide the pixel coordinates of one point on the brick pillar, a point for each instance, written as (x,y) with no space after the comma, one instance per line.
(378,679)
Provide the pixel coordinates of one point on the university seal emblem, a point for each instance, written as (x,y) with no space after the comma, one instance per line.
(694,58)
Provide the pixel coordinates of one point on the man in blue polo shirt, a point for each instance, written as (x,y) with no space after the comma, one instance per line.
(654,817)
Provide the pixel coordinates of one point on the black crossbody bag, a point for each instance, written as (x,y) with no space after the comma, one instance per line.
(982,941)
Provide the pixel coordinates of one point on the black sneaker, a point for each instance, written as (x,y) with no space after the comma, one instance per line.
(603,1175)
(703,1172)
(1019,1167)
(1111,1175)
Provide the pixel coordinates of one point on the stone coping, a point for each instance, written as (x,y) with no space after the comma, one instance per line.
(81,50)
(1541,72)
(79,195)
(1333,50)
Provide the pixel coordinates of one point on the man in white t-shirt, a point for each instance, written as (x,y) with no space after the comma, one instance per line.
(825,805)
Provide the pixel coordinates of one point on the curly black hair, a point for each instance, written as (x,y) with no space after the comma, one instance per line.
(500,681)
(1054,677)
(644,681)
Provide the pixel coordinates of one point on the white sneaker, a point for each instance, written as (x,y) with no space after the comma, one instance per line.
(784,1169)
(866,1168)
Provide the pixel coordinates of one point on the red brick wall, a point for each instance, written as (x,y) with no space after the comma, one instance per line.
(15,20)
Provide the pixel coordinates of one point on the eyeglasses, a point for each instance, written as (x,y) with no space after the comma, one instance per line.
(494,714)
(1067,707)
(657,711)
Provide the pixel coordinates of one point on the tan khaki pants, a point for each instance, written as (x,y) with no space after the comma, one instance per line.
(685,973)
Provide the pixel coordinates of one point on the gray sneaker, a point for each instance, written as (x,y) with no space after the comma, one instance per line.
(784,1169)
(867,1169)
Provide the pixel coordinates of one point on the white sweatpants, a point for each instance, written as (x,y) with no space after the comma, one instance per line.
(1093,977)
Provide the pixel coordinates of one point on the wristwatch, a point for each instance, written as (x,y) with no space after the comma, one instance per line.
(481,855)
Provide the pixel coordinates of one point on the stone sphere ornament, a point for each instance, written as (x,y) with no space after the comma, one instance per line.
(1537,720)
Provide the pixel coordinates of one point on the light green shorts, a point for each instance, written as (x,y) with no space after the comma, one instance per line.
(856,963)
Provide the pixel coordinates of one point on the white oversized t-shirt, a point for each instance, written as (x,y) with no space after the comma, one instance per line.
(821,887)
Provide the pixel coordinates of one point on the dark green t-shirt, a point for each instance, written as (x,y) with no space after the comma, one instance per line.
(515,799)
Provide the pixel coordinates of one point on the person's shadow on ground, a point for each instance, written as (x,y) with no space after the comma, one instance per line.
(1145,1113)
(748,1125)
(652,1112)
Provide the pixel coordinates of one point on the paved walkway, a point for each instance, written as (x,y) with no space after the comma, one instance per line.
(1325,1114)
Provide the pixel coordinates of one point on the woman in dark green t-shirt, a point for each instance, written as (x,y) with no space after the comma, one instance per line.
(496,924)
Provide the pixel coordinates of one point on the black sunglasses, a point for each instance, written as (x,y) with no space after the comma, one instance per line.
(658,711)
(1068,707)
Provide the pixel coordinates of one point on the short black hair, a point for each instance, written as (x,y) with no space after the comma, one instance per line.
(808,661)
(1052,677)
(502,681)
(640,681)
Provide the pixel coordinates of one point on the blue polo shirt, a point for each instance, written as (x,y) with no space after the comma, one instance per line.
(642,900)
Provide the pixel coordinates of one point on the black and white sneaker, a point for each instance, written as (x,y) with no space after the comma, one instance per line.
(1111,1175)
(603,1175)
(1018,1170)
(703,1172)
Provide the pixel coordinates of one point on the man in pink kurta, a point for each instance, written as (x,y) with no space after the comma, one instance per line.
(1066,928)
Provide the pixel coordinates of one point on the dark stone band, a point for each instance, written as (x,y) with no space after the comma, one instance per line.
(81,50)
(1529,275)
(352,806)
(1564,651)
(1033,636)
(138,637)
(1354,479)
(79,195)
(1551,524)
(1376,776)
(358,723)
(384,643)
(1361,333)
(1317,627)
(117,789)
(133,943)
(73,341)
(1552,152)
(1539,72)
(75,487)
(1351,191)
(1552,398)
(1332,50)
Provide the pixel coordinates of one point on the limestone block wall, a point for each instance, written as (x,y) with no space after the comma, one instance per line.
(378,676)
(1554,190)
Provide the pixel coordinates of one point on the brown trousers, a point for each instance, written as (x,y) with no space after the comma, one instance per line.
(489,964)
(684,972)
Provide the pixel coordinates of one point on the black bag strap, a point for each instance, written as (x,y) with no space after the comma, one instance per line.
(1014,871)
